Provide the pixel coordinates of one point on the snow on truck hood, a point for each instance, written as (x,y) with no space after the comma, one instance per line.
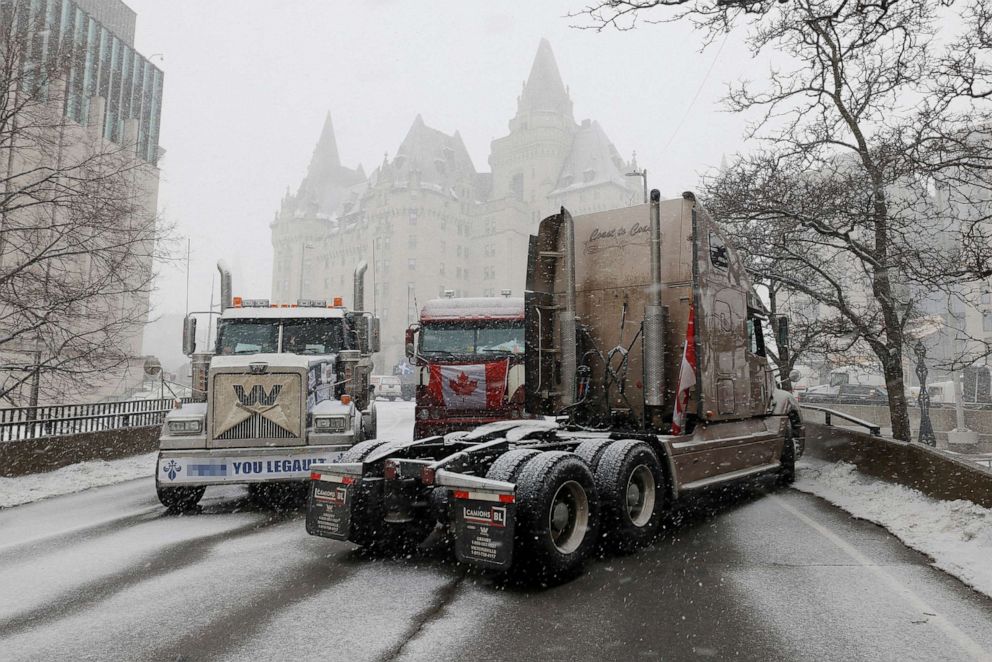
(272,359)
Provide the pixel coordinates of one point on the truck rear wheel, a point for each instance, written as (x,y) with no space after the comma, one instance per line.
(180,499)
(557,516)
(591,451)
(631,485)
(508,465)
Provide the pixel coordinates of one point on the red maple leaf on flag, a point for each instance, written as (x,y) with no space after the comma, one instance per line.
(463,386)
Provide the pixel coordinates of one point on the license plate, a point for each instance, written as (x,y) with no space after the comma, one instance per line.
(484,532)
(329,509)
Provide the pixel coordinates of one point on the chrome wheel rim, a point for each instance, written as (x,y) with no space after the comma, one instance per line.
(568,517)
(640,495)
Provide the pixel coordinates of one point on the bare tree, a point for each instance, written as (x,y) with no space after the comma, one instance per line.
(77,241)
(869,194)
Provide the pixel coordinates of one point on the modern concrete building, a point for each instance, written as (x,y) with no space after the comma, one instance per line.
(107,99)
(426,220)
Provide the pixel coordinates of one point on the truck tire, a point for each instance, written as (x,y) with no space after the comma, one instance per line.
(557,516)
(590,451)
(508,465)
(631,486)
(180,499)
(787,472)
(362,450)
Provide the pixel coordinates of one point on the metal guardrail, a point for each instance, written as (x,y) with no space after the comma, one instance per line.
(61,420)
(873,429)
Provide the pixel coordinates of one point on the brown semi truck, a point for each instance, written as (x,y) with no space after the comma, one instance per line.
(645,355)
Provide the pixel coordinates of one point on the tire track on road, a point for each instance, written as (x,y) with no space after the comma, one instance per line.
(165,561)
(219,636)
(18,551)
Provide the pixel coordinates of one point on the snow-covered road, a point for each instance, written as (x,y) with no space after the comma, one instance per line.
(105,575)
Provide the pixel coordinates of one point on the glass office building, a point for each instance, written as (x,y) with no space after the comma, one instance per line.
(103,65)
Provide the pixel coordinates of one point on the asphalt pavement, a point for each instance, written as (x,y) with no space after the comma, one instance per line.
(757,574)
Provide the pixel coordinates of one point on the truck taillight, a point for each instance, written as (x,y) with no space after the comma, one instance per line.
(427,475)
(391,470)
(314,475)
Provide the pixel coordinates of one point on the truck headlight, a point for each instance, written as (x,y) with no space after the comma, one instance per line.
(187,426)
(330,423)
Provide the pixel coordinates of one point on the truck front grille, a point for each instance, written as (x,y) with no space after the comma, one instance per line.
(264,406)
(256,427)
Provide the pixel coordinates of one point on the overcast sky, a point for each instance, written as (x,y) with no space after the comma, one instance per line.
(248,82)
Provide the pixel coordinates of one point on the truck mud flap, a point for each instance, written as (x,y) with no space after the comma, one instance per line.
(483,530)
(329,507)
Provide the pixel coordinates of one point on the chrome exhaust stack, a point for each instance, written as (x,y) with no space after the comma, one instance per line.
(226,290)
(567,323)
(358,305)
(654,320)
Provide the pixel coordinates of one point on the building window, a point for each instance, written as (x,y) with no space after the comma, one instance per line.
(411,264)
(411,241)
(517,186)
(413,217)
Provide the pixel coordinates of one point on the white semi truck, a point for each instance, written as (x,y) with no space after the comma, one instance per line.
(283,387)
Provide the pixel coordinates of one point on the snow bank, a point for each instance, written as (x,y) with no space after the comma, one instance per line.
(74,478)
(957,535)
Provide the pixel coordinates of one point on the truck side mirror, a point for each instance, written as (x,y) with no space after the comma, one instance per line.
(782,339)
(411,341)
(189,336)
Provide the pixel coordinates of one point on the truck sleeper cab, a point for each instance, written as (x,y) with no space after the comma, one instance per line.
(645,346)
(285,387)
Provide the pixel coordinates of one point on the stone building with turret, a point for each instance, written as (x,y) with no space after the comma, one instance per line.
(427,221)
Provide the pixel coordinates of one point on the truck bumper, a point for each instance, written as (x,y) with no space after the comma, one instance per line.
(223,466)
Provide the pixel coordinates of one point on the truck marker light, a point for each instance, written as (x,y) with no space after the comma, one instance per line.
(484,496)
(346,399)
(338,302)
(427,475)
(236,302)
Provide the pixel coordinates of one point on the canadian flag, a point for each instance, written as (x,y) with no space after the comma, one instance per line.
(470,386)
(687,374)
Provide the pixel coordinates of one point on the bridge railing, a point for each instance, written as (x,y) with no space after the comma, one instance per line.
(828,414)
(60,420)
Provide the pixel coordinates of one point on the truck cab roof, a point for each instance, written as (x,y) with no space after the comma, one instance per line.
(469,308)
(282,313)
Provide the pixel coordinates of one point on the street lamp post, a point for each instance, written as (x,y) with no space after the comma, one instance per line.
(927,435)
(643,174)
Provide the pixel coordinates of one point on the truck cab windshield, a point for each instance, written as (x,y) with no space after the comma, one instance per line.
(313,336)
(469,339)
(299,336)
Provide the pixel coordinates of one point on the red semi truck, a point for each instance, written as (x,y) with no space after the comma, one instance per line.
(468,354)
